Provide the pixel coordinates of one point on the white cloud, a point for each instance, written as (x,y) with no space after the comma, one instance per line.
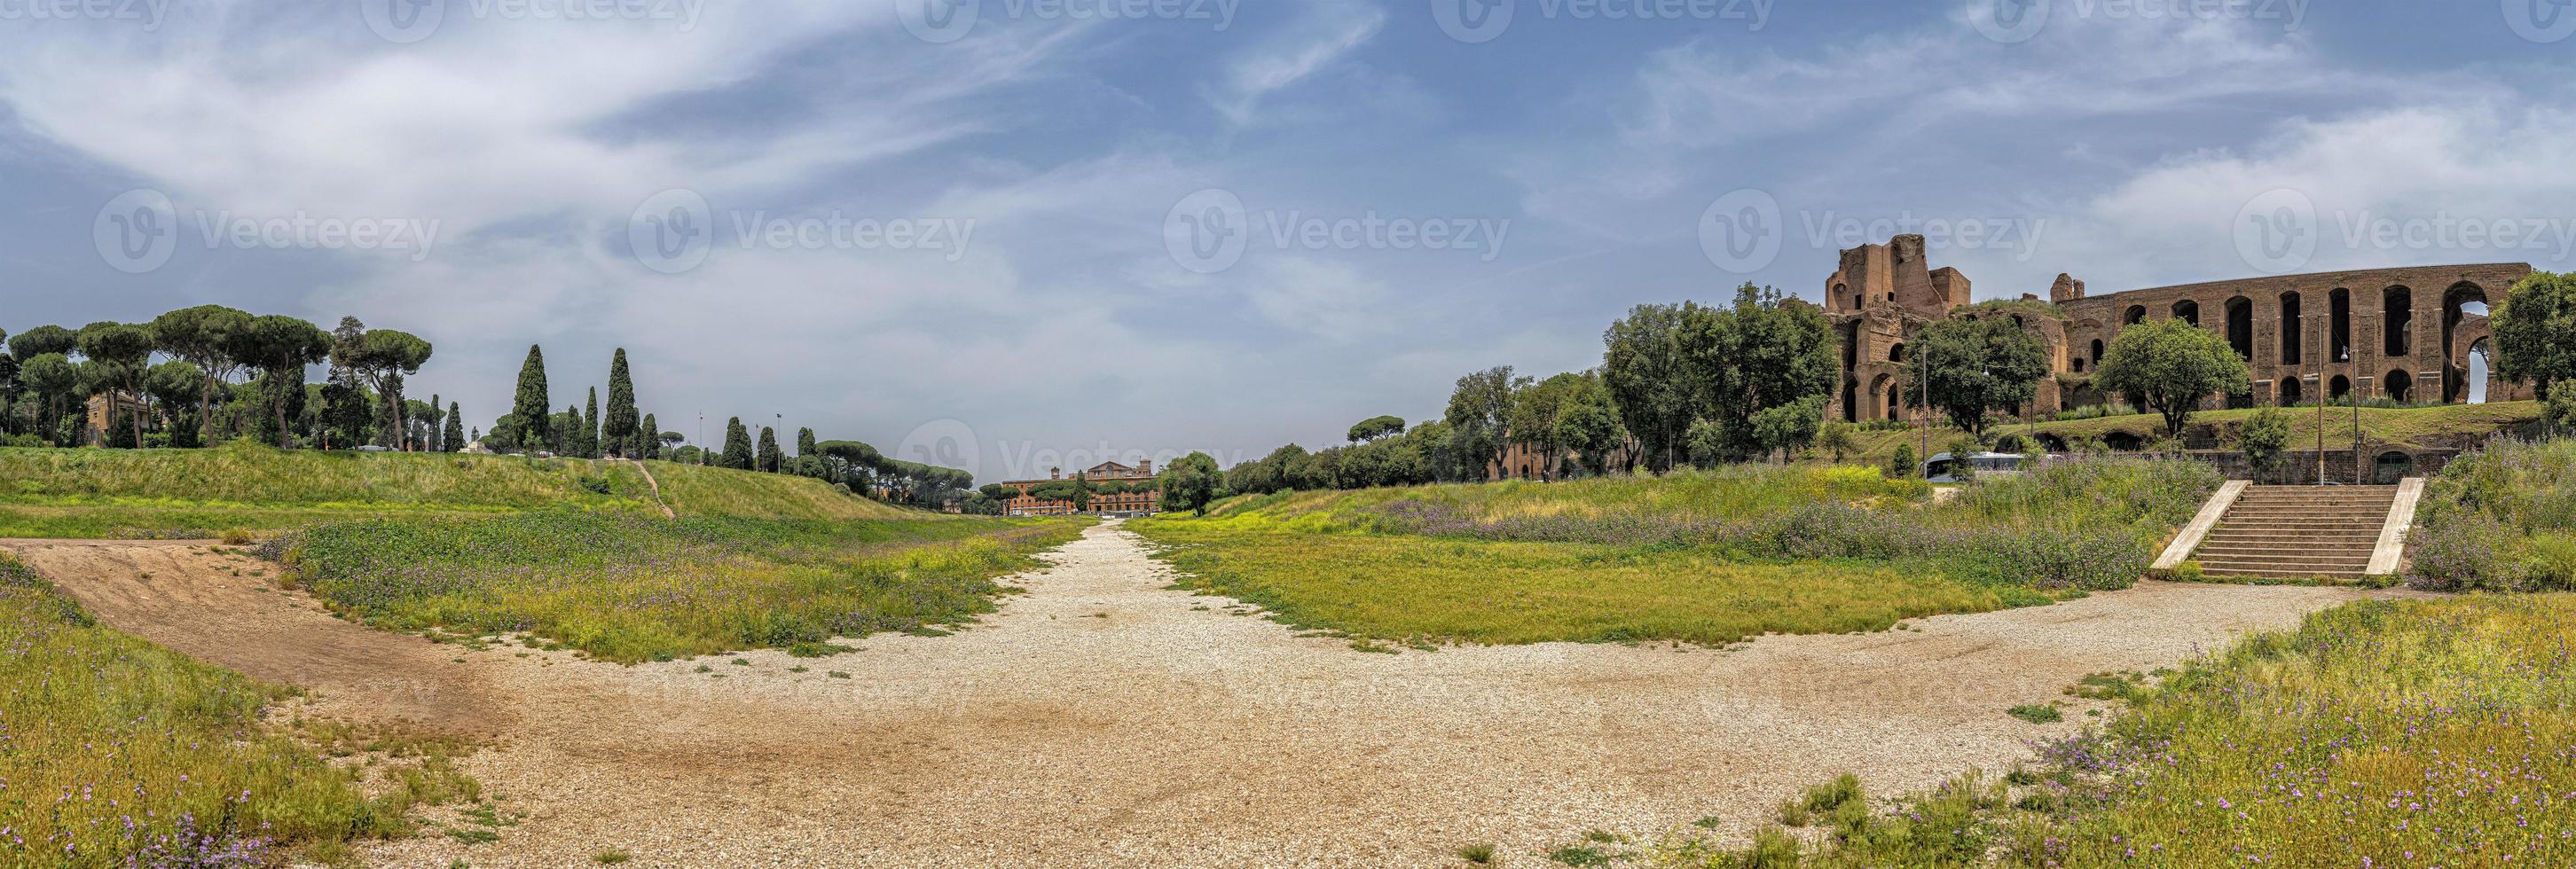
(1327,31)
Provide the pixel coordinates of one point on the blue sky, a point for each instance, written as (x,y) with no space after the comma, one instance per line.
(1042,236)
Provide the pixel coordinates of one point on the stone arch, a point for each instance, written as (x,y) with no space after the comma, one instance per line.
(2124,442)
(2052,443)
(2293,329)
(2339,314)
(1841,297)
(1884,391)
(2240,327)
(2187,311)
(2397,321)
(2135,315)
(2464,325)
(2339,389)
(1896,353)
(2477,373)
(2287,392)
(2397,385)
(1851,399)
(2391,468)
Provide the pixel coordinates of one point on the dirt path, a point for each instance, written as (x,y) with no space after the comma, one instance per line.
(1102,721)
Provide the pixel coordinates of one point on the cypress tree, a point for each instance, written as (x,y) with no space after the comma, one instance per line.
(432,440)
(809,461)
(532,406)
(619,428)
(590,427)
(651,438)
(737,448)
(769,458)
(453,439)
(568,432)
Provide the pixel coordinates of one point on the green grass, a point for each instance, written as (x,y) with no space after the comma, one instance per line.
(1701,557)
(1417,589)
(629,588)
(2449,426)
(246,487)
(104,731)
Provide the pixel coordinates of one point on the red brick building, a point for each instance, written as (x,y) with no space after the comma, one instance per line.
(1104,475)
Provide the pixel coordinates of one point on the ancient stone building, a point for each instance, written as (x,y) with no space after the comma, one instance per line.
(1105,474)
(2405,334)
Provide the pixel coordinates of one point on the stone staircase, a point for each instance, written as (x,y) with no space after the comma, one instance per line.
(2300,532)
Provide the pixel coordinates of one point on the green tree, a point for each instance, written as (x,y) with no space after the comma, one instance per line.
(1838,439)
(1768,351)
(2172,366)
(622,428)
(121,354)
(1790,427)
(1376,427)
(1651,378)
(177,386)
(769,457)
(452,439)
(1904,465)
(53,378)
(590,440)
(1587,422)
(379,359)
(809,459)
(531,406)
(1191,483)
(209,337)
(2535,332)
(651,437)
(279,348)
(1480,413)
(43,341)
(2265,440)
(1974,368)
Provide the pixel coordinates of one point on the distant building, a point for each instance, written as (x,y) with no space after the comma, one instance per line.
(110,409)
(1141,503)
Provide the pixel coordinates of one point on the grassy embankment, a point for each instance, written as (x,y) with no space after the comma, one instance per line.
(1704,557)
(2383,733)
(119,752)
(2424,427)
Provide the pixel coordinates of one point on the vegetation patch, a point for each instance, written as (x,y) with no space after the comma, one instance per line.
(2501,519)
(119,752)
(628,588)
(1707,557)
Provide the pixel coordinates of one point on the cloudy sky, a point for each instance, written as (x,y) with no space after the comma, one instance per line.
(1022,233)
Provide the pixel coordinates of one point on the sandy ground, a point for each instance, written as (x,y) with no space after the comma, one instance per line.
(1099,720)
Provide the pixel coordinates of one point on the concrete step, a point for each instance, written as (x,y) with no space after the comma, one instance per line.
(2334,560)
(2243,565)
(2281,574)
(2286,543)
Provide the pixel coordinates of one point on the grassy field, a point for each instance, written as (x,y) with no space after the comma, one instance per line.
(199,494)
(629,588)
(2385,733)
(1706,557)
(2426,427)
(118,751)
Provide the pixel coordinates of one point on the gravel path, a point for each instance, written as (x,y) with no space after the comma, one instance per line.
(1100,720)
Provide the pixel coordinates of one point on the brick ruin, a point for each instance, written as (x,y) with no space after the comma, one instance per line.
(2405,334)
